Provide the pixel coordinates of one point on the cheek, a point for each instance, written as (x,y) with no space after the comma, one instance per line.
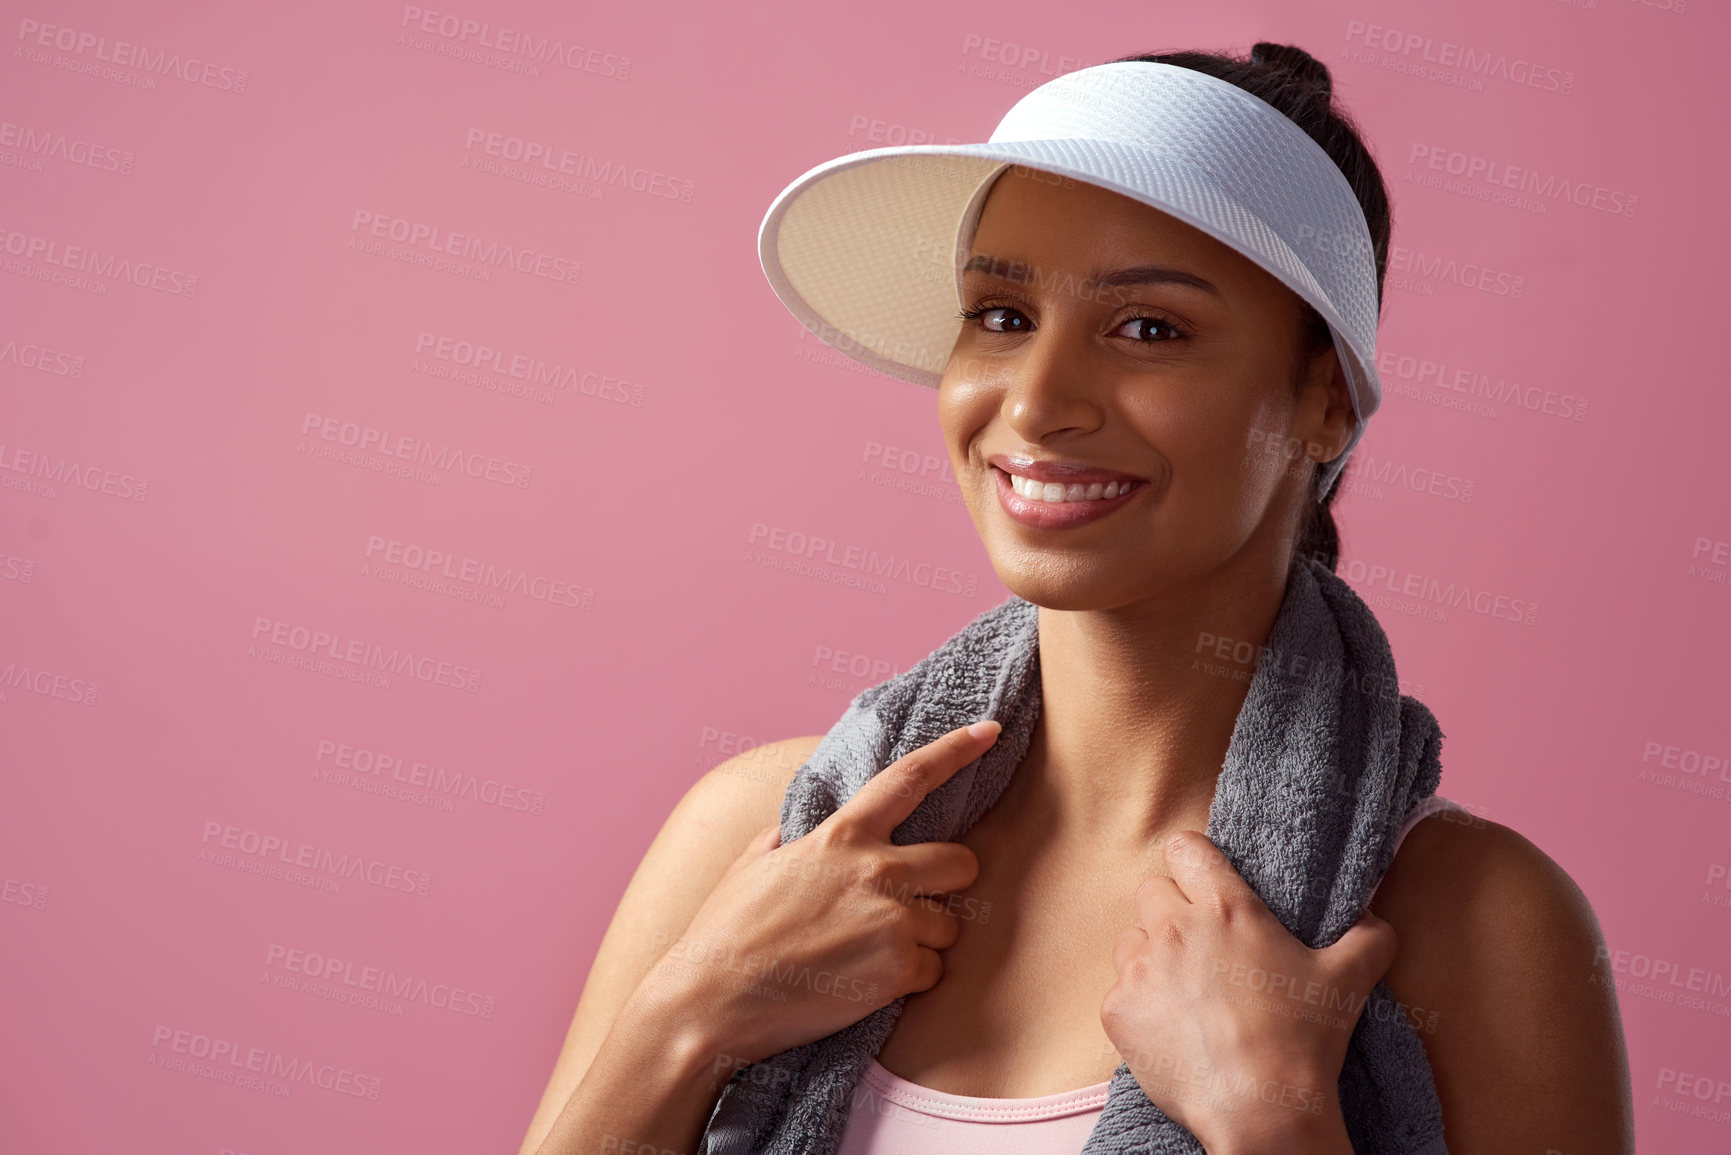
(1203,431)
(1204,436)
(963,413)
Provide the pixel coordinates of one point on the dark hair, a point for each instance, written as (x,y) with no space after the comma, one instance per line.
(1299,85)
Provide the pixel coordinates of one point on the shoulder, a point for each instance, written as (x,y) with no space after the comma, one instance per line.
(1459,867)
(728,805)
(697,842)
(703,835)
(1499,965)
(748,788)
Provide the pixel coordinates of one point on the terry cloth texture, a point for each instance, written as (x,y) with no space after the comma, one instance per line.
(1327,758)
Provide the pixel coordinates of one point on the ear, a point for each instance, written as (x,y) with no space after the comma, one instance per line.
(1325,417)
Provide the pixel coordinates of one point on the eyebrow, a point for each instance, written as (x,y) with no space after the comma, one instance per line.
(1023,273)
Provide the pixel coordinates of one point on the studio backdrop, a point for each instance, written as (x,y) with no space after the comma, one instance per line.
(410,485)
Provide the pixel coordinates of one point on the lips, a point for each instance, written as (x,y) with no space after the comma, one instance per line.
(1037,513)
(1062,472)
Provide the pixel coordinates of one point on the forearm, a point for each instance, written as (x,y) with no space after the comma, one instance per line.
(650,1089)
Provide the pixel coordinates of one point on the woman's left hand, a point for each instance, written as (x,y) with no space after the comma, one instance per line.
(1232,1026)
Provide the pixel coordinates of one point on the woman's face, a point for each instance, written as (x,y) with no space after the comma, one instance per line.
(1184,377)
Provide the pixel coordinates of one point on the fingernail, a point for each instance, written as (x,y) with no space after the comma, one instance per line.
(984,728)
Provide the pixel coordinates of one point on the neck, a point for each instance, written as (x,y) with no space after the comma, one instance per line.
(1139,706)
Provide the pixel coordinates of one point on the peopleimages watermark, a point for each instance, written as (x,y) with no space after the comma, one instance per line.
(38,144)
(1422,372)
(1250,657)
(29,355)
(526,367)
(826,881)
(362,654)
(124,54)
(847,671)
(1436,267)
(419,451)
(30,895)
(1664,980)
(728,1067)
(1718,873)
(512,44)
(1296,997)
(1468,60)
(780,977)
(37,680)
(231,1062)
(83,259)
(778,548)
(1498,176)
(437,569)
(1183,1078)
(42,471)
(555,160)
(909,471)
(1427,596)
(379,766)
(1690,771)
(419,236)
(306,856)
(17,569)
(1716,567)
(1022,56)
(361,979)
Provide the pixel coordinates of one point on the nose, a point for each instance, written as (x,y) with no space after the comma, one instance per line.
(1050,387)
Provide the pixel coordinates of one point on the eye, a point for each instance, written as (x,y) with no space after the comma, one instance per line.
(981,312)
(1142,328)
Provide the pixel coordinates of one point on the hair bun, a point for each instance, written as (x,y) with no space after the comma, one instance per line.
(1295,60)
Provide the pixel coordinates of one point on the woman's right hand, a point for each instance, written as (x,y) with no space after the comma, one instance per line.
(796,942)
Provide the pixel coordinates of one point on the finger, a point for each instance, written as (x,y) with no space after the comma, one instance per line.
(891,795)
(1368,948)
(764,841)
(1155,898)
(1200,868)
(767,839)
(933,926)
(1131,942)
(936,867)
(929,970)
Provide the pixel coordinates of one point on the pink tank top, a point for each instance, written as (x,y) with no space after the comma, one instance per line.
(891,1116)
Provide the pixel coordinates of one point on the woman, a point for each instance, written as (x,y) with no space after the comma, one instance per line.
(1107,424)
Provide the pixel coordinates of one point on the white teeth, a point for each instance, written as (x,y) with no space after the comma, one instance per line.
(1054,492)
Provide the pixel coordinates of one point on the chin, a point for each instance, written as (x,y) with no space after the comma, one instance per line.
(1058,585)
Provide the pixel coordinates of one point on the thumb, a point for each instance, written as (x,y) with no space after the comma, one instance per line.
(761,844)
(765,840)
(1368,947)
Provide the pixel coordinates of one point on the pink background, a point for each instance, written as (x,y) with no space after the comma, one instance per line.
(168,505)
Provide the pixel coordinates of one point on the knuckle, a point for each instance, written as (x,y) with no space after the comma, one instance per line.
(871,866)
(829,836)
(915,778)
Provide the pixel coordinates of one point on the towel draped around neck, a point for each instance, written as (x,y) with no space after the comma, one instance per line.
(1326,759)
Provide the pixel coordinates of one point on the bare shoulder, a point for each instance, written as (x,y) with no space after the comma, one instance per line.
(706,831)
(700,839)
(1499,967)
(748,787)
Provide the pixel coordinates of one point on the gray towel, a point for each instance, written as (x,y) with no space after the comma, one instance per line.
(1326,759)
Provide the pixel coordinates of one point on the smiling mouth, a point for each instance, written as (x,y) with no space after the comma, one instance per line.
(1058,493)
